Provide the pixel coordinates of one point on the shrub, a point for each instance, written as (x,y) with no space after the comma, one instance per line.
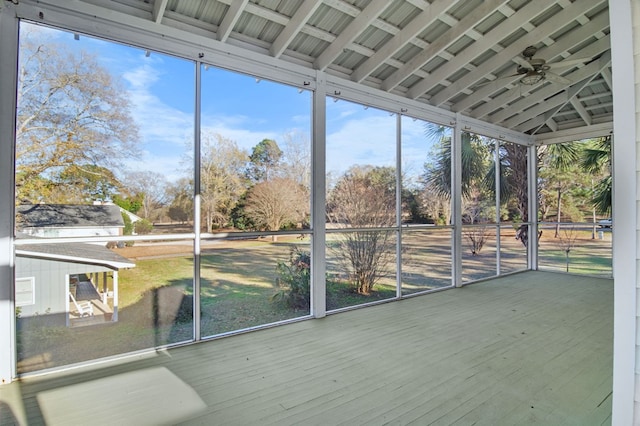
(294,279)
(143,227)
(128,225)
(476,238)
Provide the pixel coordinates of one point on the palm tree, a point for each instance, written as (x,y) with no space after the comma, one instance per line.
(513,177)
(475,162)
(596,160)
(559,157)
(474,157)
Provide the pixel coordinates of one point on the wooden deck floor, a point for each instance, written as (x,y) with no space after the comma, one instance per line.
(531,348)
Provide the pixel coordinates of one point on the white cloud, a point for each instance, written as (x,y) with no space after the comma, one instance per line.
(142,77)
(368,140)
(172,168)
(236,128)
(160,124)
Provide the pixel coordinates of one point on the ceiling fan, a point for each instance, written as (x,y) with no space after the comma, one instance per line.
(534,70)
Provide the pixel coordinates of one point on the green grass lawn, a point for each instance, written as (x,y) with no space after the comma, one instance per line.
(237,281)
(156,299)
(586,254)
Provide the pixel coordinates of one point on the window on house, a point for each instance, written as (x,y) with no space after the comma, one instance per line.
(25,291)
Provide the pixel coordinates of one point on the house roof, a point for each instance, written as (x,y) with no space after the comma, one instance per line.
(69,215)
(93,254)
(460,56)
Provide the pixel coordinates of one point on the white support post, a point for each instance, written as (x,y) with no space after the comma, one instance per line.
(114,318)
(496,183)
(399,205)
(625,168)
(456,200)
(532,207)
(197,334)
(318,198)
(105,288)
(8,84)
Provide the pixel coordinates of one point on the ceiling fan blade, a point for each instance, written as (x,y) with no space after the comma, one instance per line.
(568,63)
(523,63)
(555,78)
(500,79)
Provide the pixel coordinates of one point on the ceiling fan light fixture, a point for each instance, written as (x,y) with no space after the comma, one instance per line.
(532,78)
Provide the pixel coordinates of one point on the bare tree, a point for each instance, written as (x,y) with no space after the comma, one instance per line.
(296,159)
(567,241)
(276,202)
(221,180)
(180,207)
(364,197)
(151,187)
(71,110)
(435,205)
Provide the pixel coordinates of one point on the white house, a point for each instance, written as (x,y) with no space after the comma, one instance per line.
(69,220)
(41,293)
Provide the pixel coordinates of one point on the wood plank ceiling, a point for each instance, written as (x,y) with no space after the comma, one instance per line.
(460,56)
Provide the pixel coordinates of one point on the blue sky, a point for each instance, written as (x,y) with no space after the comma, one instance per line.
(161,90)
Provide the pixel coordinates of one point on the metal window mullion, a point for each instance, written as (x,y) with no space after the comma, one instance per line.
(456,200)
(318,198)
(399,205)
(496,183)
(9,38)
(196,203)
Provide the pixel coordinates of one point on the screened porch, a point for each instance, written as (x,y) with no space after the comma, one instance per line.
(531,347)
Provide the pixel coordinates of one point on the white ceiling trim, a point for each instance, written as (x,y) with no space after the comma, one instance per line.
(440,44)
(569,41)
(582,112)
(506,27)
(159,6)
(577,134)
(522,111)
(295,25)
(407,34)
(230,19)
(355,28)
(573,91)
(513,109)
(144,33)
(190,33)
(550,25)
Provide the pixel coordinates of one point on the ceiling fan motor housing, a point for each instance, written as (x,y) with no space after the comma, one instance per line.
(535,65)
(529,52)
(538,64)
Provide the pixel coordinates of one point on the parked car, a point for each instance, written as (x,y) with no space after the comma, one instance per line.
(605,223)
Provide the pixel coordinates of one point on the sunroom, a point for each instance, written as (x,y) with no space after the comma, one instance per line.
(296,160)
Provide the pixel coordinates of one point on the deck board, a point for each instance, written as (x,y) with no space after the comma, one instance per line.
(534,347)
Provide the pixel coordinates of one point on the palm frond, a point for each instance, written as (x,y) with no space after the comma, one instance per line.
(597,157)
(601,197)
